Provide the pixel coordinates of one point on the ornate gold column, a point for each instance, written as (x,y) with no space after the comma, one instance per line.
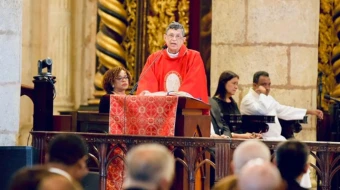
(333,35)
(109,49)
(328,51)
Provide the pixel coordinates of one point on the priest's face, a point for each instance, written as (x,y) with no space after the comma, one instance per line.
(265,82)
(174,40)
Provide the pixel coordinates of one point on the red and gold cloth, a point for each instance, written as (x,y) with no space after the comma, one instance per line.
(138,115)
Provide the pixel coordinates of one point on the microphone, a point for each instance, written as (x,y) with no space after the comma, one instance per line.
(320,82)
(328,97)
(134,88)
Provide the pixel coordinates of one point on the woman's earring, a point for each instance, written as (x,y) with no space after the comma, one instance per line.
(113,86)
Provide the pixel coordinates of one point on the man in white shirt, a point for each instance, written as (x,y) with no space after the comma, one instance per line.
(259,102)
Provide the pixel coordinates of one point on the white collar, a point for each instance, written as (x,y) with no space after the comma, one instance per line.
(172,55)
(60,172)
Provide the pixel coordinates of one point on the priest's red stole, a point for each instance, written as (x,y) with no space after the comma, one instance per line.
(138,115)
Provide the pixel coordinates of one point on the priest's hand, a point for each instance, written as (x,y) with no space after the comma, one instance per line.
(144,93)
(179,93)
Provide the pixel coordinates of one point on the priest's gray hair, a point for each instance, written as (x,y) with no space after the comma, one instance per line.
(175,25)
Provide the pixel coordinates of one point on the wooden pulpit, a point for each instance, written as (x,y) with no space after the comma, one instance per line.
(191,121)
(191,118)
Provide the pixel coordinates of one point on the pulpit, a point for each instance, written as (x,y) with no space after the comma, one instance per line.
(145,115)
(191,120)
(128,117)
(163,116)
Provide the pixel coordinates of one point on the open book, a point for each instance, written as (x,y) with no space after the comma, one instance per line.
(162,93)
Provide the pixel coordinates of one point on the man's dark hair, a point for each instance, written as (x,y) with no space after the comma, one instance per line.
(291,158)
(67,149)
(226,76)
(258,74)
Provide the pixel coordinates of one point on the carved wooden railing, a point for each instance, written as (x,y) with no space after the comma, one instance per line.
(192,149)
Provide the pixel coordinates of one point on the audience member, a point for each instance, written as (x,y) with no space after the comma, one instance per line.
(115,81)
(40,178)
(260,175)
(292,161)
(67,155)
(246,151)
(223,103)
(149,167)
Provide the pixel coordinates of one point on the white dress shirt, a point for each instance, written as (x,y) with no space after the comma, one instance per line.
(255,104)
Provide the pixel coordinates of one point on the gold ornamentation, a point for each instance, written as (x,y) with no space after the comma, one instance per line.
(162,14)
(183,14)
(129,42)
(327,49)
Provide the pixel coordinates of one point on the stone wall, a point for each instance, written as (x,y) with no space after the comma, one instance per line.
(10,72)
(280,37)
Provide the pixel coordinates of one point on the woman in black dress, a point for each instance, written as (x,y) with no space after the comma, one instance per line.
(115,81)
(223,104)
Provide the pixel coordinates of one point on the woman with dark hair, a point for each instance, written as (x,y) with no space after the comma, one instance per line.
(223,104)
(115,81)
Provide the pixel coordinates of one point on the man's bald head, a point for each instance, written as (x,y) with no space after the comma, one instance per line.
(149,166)
(259,175)
(249,150)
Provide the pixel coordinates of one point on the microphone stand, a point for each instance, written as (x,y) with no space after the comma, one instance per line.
(134,88)
(320,90)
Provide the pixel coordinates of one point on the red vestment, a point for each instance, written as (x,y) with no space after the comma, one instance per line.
(187,69)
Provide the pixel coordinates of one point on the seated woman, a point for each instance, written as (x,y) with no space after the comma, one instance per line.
(223,103)
(115,81)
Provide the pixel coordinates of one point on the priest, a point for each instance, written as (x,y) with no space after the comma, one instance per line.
(174,70)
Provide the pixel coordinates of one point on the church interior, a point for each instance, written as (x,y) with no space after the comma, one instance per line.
(77,41)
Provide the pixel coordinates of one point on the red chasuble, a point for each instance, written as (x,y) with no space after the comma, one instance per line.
(183,73)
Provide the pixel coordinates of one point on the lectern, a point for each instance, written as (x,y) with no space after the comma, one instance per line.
(191,118)
(128,116)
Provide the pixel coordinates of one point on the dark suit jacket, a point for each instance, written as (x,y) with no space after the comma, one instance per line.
(293,185)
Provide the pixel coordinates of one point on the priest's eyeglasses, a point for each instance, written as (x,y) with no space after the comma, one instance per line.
(171,36)
(122,78)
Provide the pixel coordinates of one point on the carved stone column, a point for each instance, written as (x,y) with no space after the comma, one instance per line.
(59,49)
(10,69)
